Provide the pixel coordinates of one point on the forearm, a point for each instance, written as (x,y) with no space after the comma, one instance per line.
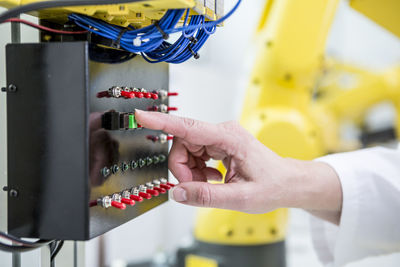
(316,189)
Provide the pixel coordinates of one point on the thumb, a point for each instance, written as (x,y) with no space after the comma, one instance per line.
(203,194)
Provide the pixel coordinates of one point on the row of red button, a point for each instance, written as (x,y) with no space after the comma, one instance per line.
(131,201)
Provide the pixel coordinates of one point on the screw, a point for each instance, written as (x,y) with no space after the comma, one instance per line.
(115,169)
(124,167)
(134,164)
(142,162)
(12,88)
(162,157)
(13,193)
(105,172)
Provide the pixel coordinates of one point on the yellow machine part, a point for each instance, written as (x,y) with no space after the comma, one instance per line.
(197,261)
(384,12)
(291,40)
(139,14)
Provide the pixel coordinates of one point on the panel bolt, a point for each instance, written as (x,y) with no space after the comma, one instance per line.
(105,172)
(12,88)
(13,193)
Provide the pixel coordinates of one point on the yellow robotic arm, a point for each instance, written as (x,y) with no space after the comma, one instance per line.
(294,105)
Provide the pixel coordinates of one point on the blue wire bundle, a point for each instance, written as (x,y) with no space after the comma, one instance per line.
(150,41)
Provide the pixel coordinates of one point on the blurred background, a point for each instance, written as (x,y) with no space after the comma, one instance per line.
(219,78)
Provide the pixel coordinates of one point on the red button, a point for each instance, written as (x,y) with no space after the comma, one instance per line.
(161,190)
(128,94)
(152,192)
(167,187)
(128,201)
(136,198)
(147,95)
(145,195)
(118,205)
(154,96)
(138,94)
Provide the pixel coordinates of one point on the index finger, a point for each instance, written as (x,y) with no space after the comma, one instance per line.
(193,131)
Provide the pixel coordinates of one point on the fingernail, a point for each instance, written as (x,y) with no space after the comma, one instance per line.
(178,194)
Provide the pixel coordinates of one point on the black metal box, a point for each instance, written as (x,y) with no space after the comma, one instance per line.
(57,147)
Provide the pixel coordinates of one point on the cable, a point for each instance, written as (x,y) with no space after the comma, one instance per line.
(23,246)
(14,12)
(57,249)
(151,41)
(12,248)
(43,28)
(14,239)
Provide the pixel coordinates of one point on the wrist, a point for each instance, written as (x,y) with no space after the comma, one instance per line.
(315,186)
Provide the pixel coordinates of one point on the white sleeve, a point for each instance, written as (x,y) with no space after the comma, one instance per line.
(370,220)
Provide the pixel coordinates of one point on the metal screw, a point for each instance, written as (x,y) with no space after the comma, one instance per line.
(124,167)
(142,162)
(143,188)
(126,194)
(12,88)
(162,157)
(105,202)
(105,172)
(13,193)
(150,185)
(115,169)
(149,161)
(134,164)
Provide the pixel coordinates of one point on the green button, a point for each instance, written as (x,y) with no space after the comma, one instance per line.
(132,121)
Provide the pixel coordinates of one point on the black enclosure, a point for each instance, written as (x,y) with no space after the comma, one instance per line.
(57,147)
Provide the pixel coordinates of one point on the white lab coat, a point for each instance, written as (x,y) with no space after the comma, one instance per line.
(370,220)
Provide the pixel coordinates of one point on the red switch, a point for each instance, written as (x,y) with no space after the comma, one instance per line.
(136,198)
(145,195)
(128,201)
(103,94)
(147,95)
(172,109)
(165,186)
(170,138)
(161,190)
(171,184)
(93,203)
(128,94)
(138,94)
(173,94)
(118,205)
(154,96)
(152,192)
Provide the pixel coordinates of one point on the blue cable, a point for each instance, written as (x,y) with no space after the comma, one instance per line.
(149,40)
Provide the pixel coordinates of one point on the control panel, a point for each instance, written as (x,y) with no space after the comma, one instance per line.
(77,158)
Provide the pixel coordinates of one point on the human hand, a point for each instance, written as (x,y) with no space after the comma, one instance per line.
(257,179)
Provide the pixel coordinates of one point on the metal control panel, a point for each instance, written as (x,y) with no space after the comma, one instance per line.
(79,164)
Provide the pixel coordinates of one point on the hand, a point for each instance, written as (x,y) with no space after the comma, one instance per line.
(257,179)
